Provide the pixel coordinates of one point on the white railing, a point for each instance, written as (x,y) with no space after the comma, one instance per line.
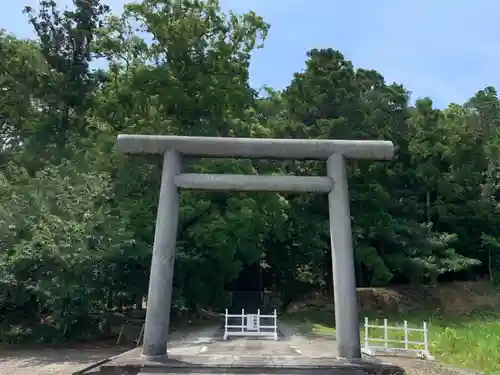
(393,346)
(250,325)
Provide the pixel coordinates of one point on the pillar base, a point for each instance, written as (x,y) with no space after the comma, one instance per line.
(155,358)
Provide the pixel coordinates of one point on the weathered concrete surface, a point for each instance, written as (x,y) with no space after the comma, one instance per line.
(344,278)
(234,182)
(235,363)
(195,338)
(308,345)
(278,371)
(250,347)
(291,354)
(254,148)
(162,265)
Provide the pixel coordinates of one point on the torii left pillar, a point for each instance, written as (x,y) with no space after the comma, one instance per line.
(162,265)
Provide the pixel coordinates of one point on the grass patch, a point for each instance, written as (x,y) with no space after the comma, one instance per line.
(469,340)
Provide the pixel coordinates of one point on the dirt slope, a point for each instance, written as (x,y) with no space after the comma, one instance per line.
(459,298)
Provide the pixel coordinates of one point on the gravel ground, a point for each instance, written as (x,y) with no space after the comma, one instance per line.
(53,361)
(66,360)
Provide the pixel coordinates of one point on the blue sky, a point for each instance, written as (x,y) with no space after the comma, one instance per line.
(443,49)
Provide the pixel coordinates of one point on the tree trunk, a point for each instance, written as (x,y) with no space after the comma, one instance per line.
(490,267)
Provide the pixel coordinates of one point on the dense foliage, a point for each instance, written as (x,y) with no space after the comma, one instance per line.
(77,220)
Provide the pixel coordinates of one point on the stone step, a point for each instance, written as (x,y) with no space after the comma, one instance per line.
(230,364)
(264,372)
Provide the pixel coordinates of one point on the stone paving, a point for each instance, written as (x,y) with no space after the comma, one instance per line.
(292,353)
(309,346)
(249,347)
(289,344)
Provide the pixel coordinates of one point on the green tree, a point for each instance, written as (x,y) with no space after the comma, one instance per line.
(77,221)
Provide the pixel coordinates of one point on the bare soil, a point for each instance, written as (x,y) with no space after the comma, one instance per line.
(417,366)
(457,297)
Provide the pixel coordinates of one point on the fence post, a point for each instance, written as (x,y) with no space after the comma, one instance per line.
(258,320)
(367,337)
(426,345)
(225,325)
(406,335)
(422,353)
(243,320)
(275,325)
(386,334)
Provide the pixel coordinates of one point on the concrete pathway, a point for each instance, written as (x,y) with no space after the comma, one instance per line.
(290,344)
(309,346)
(194,342)
(254,347)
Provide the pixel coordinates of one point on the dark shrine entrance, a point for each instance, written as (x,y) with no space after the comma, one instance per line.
(251,290)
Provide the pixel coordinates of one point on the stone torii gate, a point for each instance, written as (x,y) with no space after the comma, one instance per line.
(334,152)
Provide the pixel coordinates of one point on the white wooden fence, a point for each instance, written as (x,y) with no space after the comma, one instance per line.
(392,346)
(251,325)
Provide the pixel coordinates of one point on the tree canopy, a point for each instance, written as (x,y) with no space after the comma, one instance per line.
(77,220)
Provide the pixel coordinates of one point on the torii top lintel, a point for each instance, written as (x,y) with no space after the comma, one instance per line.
(254,148)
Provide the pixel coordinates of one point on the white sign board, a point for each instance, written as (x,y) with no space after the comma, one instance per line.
(252,322)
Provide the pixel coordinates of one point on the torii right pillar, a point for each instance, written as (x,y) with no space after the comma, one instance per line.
(344,278)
